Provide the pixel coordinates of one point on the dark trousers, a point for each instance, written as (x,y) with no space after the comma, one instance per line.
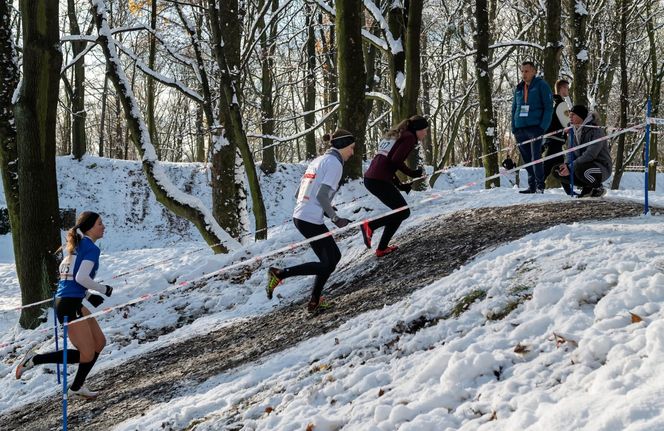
(586,175)
(553,146)
(327,251)
(390,196)
(529,152)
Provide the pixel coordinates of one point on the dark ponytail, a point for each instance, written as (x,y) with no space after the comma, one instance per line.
(85,222)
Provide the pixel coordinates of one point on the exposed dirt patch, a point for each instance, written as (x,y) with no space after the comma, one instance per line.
(425,255)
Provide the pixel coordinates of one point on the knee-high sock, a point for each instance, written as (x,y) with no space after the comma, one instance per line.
(84,369)
(73,357)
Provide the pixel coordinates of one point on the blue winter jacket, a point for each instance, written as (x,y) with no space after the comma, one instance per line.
(540,100)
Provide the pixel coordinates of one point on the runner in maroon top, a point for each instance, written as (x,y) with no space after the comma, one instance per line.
(381,180)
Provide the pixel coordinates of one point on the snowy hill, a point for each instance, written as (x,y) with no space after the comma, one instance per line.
(565,353)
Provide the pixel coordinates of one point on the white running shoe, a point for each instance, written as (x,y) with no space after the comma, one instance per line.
(26,363)
(83,393)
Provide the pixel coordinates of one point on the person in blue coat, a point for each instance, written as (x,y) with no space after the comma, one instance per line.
(532,108)
(77,272)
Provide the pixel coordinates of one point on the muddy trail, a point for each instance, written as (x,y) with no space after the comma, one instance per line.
(425,255)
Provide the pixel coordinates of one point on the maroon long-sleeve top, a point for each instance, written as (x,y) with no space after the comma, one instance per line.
(391,157)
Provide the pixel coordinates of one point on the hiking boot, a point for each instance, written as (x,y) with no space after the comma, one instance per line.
(388,250)
(527,191)
(598,192)
(273,280)
(26,363)
(83,393)
(367,233)
(323,304)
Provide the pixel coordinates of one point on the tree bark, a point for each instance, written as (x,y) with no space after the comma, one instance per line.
(226,33)
(624,89)
(150,91)
(655,97)
(268,47)
(553,47)
(487,121)
(35,112)
(579,14)
(310,85)
(78,136)
(352,77)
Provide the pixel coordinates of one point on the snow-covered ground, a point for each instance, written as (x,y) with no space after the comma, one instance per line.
(600,370)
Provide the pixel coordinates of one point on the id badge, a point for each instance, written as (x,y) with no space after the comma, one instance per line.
(524,110)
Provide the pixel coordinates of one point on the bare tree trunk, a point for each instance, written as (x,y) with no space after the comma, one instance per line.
(487,121)
(310,85)
(102,117)
(36,111)
(352,76)
(624,88)
(78,136)
(577,10)
(330,94)
(8,148)
(268,47)
(152,124)
(655,97)
(554,46)
(226,31)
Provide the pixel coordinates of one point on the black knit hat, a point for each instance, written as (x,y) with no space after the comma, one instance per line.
(418,123)
(580,110)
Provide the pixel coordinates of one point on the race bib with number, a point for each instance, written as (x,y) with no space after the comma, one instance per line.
(385,146)
(67,267)
(524,110)
(306,185)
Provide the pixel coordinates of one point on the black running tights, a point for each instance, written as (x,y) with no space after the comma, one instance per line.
(326,250)
(390,196)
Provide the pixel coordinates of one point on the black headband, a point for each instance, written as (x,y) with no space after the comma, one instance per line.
(418,124)
(342,141)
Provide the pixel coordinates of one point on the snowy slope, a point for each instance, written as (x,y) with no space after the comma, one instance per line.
(584,279)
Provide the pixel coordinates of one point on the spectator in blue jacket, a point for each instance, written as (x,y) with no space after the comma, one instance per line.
(532,108)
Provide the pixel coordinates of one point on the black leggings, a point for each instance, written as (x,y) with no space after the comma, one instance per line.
(327,251)
(390,196)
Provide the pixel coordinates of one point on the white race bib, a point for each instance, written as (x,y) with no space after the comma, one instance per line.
(67,267)
(385,146)
(306,185)
(524,110)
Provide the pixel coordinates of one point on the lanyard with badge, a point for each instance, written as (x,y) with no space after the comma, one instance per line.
(525,108)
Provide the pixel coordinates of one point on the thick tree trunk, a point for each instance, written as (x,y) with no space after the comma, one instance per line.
(166,193)
(578,11)
(35,111)
(226,33)
(8,149)
(554,46)
(487,121)
(78,137)
(352,76)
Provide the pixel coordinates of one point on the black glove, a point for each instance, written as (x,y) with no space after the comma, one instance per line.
(109,290)
(419,172)
(95,300)
(508,164)
(404,187)
(340,221)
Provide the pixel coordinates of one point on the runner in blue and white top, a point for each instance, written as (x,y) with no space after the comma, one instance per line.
(77,271)
(318,186)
